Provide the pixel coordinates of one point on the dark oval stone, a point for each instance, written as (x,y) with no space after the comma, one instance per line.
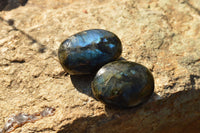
(87,51)
(123,84)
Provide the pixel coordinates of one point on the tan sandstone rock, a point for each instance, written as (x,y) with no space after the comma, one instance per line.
(163,35)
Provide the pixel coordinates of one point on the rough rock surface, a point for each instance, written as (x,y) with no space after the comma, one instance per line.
(163,35)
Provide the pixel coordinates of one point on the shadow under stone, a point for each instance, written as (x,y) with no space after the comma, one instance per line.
(8,5)
(155,111)
(83,83)
(121,58)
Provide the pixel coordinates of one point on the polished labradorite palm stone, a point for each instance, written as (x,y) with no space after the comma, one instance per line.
(124,84)
(87,51)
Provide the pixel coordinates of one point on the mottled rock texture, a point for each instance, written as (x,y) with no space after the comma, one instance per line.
(163,35)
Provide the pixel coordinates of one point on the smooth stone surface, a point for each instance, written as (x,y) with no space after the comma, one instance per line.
(86,51)
(123,84)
